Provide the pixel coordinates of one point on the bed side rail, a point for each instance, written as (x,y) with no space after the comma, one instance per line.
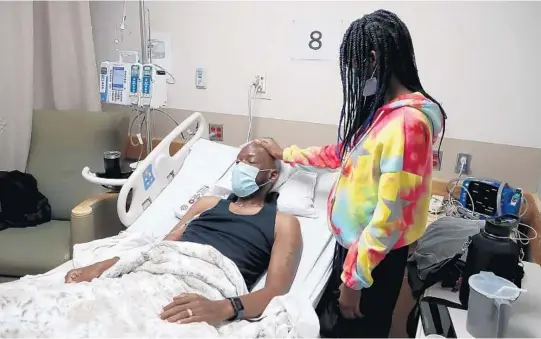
(156,171)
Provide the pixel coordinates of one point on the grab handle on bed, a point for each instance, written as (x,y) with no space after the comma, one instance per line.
(93,178)
(155,172)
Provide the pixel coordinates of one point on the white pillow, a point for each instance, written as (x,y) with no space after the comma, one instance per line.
(286,171)
(297,195)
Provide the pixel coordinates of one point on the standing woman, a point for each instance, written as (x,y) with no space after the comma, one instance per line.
(379,204)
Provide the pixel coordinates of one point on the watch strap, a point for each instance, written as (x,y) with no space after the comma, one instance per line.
(238,308)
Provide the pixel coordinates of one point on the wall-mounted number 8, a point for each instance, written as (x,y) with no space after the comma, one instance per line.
(315,40)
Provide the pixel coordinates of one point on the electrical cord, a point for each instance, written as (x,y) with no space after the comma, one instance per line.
(130,135)
(172,79)
(453,207)
(519,236)
(450,205)
(145,122)
(177,123)
(252,96)
(167,114)
(463,210)
(250,113)
(172,119)
(526,240)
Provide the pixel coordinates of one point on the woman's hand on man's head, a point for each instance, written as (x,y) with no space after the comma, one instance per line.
(271,146)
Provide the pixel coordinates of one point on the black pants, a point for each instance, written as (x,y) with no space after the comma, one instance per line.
(377,302)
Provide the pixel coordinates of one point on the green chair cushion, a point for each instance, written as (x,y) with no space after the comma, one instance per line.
(34,250)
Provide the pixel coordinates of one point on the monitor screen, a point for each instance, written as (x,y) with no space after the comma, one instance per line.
(147,70)
(118,77)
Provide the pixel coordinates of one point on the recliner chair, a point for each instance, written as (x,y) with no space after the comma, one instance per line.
(63,143)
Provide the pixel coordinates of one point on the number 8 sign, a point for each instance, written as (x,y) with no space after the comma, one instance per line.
(316,40)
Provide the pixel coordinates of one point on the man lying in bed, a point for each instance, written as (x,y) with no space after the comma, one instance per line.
(248,231)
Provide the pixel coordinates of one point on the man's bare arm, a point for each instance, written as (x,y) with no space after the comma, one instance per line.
(285,257)
(200,206)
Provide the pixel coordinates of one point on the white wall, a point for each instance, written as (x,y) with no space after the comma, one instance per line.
(479,59)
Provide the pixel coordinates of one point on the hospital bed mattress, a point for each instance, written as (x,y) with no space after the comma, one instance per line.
(205,164)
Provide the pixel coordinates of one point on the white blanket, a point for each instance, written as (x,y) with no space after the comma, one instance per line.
(127,299)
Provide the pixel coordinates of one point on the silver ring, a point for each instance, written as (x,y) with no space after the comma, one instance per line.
(190,313)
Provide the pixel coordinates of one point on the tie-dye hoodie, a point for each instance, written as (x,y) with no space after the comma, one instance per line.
(380,202)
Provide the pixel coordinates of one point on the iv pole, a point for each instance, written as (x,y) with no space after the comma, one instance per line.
(145,54)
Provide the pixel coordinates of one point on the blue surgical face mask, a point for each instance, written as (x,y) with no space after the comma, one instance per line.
(243,179)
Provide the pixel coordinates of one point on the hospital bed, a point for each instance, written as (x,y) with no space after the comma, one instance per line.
(162,183)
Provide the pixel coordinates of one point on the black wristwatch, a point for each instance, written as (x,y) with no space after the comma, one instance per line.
(238,307)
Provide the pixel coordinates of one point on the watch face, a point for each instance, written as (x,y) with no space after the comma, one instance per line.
(238,304)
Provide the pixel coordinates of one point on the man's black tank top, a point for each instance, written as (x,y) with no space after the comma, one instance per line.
(245,239)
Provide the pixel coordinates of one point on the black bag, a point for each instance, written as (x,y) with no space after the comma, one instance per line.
(331,322)
(447,271)
(21,204)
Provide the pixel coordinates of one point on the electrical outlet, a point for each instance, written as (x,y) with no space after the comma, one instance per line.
(466,158)
(436,161)
(262,85)
(216,132)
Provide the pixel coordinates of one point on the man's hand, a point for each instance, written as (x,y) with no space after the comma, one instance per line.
(87,273)
(191,307)
(349,302)
(272,147)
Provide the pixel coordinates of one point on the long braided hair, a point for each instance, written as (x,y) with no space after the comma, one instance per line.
(383,32)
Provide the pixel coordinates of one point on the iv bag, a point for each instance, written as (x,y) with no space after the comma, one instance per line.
(157,48)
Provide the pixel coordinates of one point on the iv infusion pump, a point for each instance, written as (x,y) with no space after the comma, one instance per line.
(127,84)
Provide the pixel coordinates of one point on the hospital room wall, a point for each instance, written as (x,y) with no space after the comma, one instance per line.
(475,57)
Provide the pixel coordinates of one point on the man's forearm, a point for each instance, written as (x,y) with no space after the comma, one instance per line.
(176,233)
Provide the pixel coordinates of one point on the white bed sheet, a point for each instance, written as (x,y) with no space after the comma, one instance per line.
(204,165)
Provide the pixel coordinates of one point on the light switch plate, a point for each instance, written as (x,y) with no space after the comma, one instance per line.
(200,78)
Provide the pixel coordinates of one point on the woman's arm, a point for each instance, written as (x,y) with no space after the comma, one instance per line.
(319,157)
(399,191)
